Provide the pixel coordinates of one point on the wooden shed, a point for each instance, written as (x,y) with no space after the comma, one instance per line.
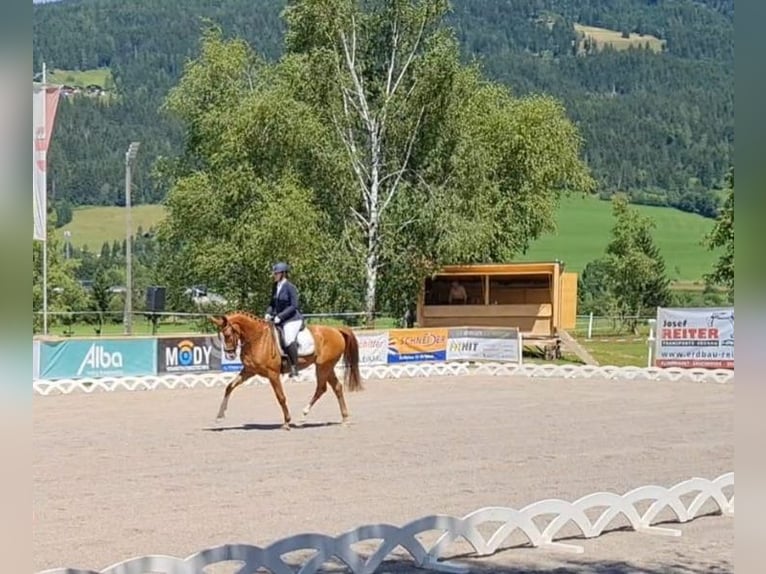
(540,299)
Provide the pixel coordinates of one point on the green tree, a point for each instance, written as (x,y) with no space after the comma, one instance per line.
(368,149)
(445,167)
(245,192)
(636,268)
(100,294)
(65,294)
(595,292)
(722,237)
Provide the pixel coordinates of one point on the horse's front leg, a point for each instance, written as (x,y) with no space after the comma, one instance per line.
(279,392)
(238,380)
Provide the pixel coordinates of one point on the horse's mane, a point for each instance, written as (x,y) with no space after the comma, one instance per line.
(247,314)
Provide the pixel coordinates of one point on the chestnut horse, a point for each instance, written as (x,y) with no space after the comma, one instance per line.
(260,355)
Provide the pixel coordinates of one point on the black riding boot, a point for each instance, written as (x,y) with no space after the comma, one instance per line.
(292,358)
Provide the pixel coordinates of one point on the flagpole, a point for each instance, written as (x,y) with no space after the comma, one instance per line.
(45,231)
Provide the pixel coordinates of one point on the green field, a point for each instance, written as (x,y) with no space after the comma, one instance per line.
(81,78)
(584,229)
(92,226)
(584,226)
(604,36)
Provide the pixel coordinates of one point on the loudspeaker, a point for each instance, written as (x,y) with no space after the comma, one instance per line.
(155,299)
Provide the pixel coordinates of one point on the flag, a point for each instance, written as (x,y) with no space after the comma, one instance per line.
(44,103)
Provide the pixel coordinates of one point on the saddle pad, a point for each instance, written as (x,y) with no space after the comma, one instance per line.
(305,342)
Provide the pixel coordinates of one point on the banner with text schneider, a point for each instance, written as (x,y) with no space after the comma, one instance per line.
(195,354)
(94,358)
(484,344)
(695,337)
(417,345)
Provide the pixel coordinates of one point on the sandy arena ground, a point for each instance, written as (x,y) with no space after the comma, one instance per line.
(121,474)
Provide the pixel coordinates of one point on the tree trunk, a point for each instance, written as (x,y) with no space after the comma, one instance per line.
(371,268)
(373,225)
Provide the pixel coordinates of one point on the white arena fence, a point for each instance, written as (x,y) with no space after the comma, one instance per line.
(535,371)
(591,514)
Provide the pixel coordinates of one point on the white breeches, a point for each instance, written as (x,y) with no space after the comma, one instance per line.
(290,331)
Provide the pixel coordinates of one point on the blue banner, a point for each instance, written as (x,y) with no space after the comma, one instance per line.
(75,359)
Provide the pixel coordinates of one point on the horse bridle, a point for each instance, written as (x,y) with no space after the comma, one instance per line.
(236,342)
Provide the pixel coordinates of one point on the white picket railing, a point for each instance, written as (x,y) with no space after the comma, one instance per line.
(563,512)
(192,380)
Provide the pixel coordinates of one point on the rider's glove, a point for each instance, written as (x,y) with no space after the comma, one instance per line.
(268,317)
(277,320)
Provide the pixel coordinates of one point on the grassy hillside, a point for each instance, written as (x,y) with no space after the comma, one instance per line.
(606,37)
(584,227)
(92,226)
(82,78)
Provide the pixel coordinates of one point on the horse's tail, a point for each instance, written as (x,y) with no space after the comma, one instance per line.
(353,378)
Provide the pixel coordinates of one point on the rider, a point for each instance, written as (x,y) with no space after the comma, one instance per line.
(283,310)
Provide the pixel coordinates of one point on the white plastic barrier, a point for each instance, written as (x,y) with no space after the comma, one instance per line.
(412,370)
(564,512)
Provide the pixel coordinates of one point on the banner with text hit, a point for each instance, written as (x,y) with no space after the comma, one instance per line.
(695,337)
(484,344)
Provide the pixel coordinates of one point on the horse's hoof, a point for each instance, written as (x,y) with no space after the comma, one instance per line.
(286,426)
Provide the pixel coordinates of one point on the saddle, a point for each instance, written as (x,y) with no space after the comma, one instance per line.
(305,341)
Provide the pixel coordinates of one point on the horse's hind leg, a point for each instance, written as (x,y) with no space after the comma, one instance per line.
(337,388)
(321,388)
(238,380)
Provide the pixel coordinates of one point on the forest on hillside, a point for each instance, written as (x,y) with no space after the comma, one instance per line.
(659,125)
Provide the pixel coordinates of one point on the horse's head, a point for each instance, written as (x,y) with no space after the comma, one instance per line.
(232,334)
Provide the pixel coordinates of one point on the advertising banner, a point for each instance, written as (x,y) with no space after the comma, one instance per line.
(695,337)
(483,344)
(229,365)
(373,348)
(188,354)
(73,359)
(44,105)
(35,359)
(411,345)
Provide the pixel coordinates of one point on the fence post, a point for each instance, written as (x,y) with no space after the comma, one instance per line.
(590,325)
(650,341)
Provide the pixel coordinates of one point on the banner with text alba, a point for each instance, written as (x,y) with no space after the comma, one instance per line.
(695,337)
(75,359)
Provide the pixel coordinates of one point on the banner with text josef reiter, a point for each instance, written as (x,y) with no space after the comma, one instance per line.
(695,337)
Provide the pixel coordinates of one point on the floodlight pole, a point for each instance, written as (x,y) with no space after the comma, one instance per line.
(130,156)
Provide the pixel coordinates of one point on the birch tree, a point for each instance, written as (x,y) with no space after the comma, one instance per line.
(369,59)
(445,165)
(369,154)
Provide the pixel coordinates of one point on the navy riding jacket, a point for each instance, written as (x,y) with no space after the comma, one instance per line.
(285,304)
